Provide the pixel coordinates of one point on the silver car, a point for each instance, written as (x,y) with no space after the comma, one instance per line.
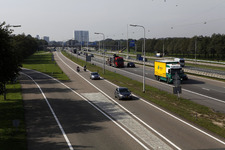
(122,93)
(94,76)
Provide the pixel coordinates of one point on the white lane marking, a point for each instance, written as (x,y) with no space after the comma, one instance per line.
(171,85)
(59,124)
(95,108)
(167,112)
(206,89)
(119,104)
(127,120)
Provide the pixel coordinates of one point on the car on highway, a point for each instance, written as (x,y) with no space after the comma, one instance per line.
(130,64)
(94,76)
(122,93)
(91,55)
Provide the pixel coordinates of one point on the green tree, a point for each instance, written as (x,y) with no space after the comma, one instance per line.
(9,60)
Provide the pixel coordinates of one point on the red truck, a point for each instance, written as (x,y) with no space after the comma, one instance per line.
(115,61)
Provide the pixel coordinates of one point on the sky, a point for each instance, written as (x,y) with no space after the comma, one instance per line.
(58,19)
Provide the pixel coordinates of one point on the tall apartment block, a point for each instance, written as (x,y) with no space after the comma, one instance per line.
(81,36)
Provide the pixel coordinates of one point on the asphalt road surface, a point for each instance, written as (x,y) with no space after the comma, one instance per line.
(89,117)
(207,92)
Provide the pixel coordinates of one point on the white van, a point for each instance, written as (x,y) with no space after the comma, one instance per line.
(181,61)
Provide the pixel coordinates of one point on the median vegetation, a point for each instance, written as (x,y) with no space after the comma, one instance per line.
(45,62)
(193,112)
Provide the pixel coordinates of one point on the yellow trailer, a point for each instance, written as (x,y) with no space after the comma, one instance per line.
(165,70)
(160,69)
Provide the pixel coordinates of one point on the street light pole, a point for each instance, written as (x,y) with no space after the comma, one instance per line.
(144,56)
(81,42)
(195,48)
(163,48)
(103,51)
(127,43)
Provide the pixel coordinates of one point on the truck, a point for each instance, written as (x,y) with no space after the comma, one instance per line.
(165,70)
(74,51)
(181,61)
(115,61)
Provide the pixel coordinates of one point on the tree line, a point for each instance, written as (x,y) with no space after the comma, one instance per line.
(14,49)
(205,47)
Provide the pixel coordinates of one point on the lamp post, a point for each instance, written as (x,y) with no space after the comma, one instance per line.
(144,56)
(163,48)
(81,42)
(99,47)
(195,48)
(103,51)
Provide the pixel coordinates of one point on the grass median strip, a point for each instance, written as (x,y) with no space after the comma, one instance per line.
(44,62)
(198,114)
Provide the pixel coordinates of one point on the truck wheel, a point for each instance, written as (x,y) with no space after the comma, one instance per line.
(168,80)
(159,79)
(156,77)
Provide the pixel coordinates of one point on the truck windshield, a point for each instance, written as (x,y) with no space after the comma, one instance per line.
(182,61)
(173,71)
(119,60)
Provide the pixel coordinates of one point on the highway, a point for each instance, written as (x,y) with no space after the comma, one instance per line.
(60,118)
(91,118)
(203,91)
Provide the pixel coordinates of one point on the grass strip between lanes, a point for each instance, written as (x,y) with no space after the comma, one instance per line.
(206,117)
(44,62)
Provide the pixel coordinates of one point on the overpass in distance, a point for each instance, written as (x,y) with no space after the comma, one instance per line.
(112,47)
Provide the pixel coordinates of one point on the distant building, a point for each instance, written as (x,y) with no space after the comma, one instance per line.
(46,38)
(81,36)
(37,37)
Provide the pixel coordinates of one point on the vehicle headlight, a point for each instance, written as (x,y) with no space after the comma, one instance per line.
(120,95)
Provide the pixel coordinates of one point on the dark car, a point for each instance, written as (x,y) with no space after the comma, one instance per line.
(122,93)
(130,64)
(94,76)
(185,77)
(91,55)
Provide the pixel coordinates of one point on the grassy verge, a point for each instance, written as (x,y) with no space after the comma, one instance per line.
(11,109)
(187,109)
(44,62)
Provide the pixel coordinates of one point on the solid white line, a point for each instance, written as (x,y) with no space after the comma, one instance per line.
(169,113)
(215,99)
(119,104)
(95,108)
(59,124)
(205,89)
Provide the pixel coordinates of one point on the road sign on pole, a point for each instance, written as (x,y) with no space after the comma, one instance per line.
(176,80)
(176,83)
